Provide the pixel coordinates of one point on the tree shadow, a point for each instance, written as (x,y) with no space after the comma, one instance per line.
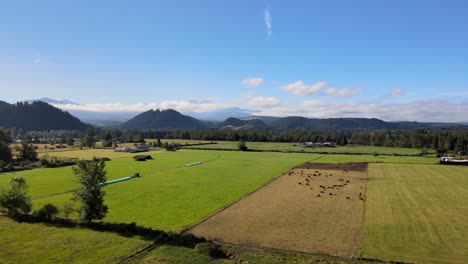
(158,237)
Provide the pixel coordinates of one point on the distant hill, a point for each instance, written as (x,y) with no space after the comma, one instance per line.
(298,122)
(38,116)
(163,119)
(4,105)
(236,124)
(266,119)
(171,119)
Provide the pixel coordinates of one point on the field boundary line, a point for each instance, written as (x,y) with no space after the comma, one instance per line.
(242,197)
(358,241)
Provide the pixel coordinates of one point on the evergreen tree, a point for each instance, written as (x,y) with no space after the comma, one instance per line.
(89,139)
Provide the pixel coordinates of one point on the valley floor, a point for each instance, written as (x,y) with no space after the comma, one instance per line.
(414,211)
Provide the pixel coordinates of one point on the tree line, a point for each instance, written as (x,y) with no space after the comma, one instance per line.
(443,140)
(452,140)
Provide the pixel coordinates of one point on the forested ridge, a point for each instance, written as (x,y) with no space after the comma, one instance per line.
(37,116)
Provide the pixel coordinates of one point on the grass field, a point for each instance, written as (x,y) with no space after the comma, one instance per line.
(297,147)
(294,213)
(39,243)
(170,195)
(416,213)
(90,153)
(331,158)
(179,255)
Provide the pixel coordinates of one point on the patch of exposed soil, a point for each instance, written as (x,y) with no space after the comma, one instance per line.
(308,210)
(353,166)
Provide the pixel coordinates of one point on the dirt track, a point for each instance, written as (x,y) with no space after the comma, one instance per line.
(310,210)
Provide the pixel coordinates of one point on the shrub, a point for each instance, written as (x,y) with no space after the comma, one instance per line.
(47,212)
(15,198)
(242,146)
(188,240)
(68,209)
(210,249)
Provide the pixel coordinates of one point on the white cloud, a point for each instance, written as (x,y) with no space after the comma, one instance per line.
(421,110)
(345,92)
(201,106)
(397,92)
(191,106)
(263,102)
(300,88)
(109,107)
(252,82)
(267,18)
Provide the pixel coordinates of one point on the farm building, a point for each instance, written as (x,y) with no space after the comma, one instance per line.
(120,150)
(319,144)
(452,161)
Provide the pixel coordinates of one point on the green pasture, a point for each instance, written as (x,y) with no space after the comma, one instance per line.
(416,213)
(90,153)
(297,147)
(170,195)
(39,243)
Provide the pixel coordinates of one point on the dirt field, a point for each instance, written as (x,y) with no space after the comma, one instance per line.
(318,209)
(353,166)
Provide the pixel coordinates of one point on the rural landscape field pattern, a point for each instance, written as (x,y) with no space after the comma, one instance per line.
(411,205)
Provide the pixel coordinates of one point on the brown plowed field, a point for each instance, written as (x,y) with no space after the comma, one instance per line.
(309,209)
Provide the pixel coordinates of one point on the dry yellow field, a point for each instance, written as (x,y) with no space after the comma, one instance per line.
(295,213)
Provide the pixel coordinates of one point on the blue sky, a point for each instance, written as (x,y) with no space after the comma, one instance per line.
(396,60)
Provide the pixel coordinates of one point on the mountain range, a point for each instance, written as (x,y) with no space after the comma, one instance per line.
(171,119)
(102,119)
(40,115)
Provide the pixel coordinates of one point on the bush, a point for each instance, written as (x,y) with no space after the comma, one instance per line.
(68,209)
(210,249)
(15,198)
(47,212)
(107,143)
(188,240)
(5,152)
(242,146)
